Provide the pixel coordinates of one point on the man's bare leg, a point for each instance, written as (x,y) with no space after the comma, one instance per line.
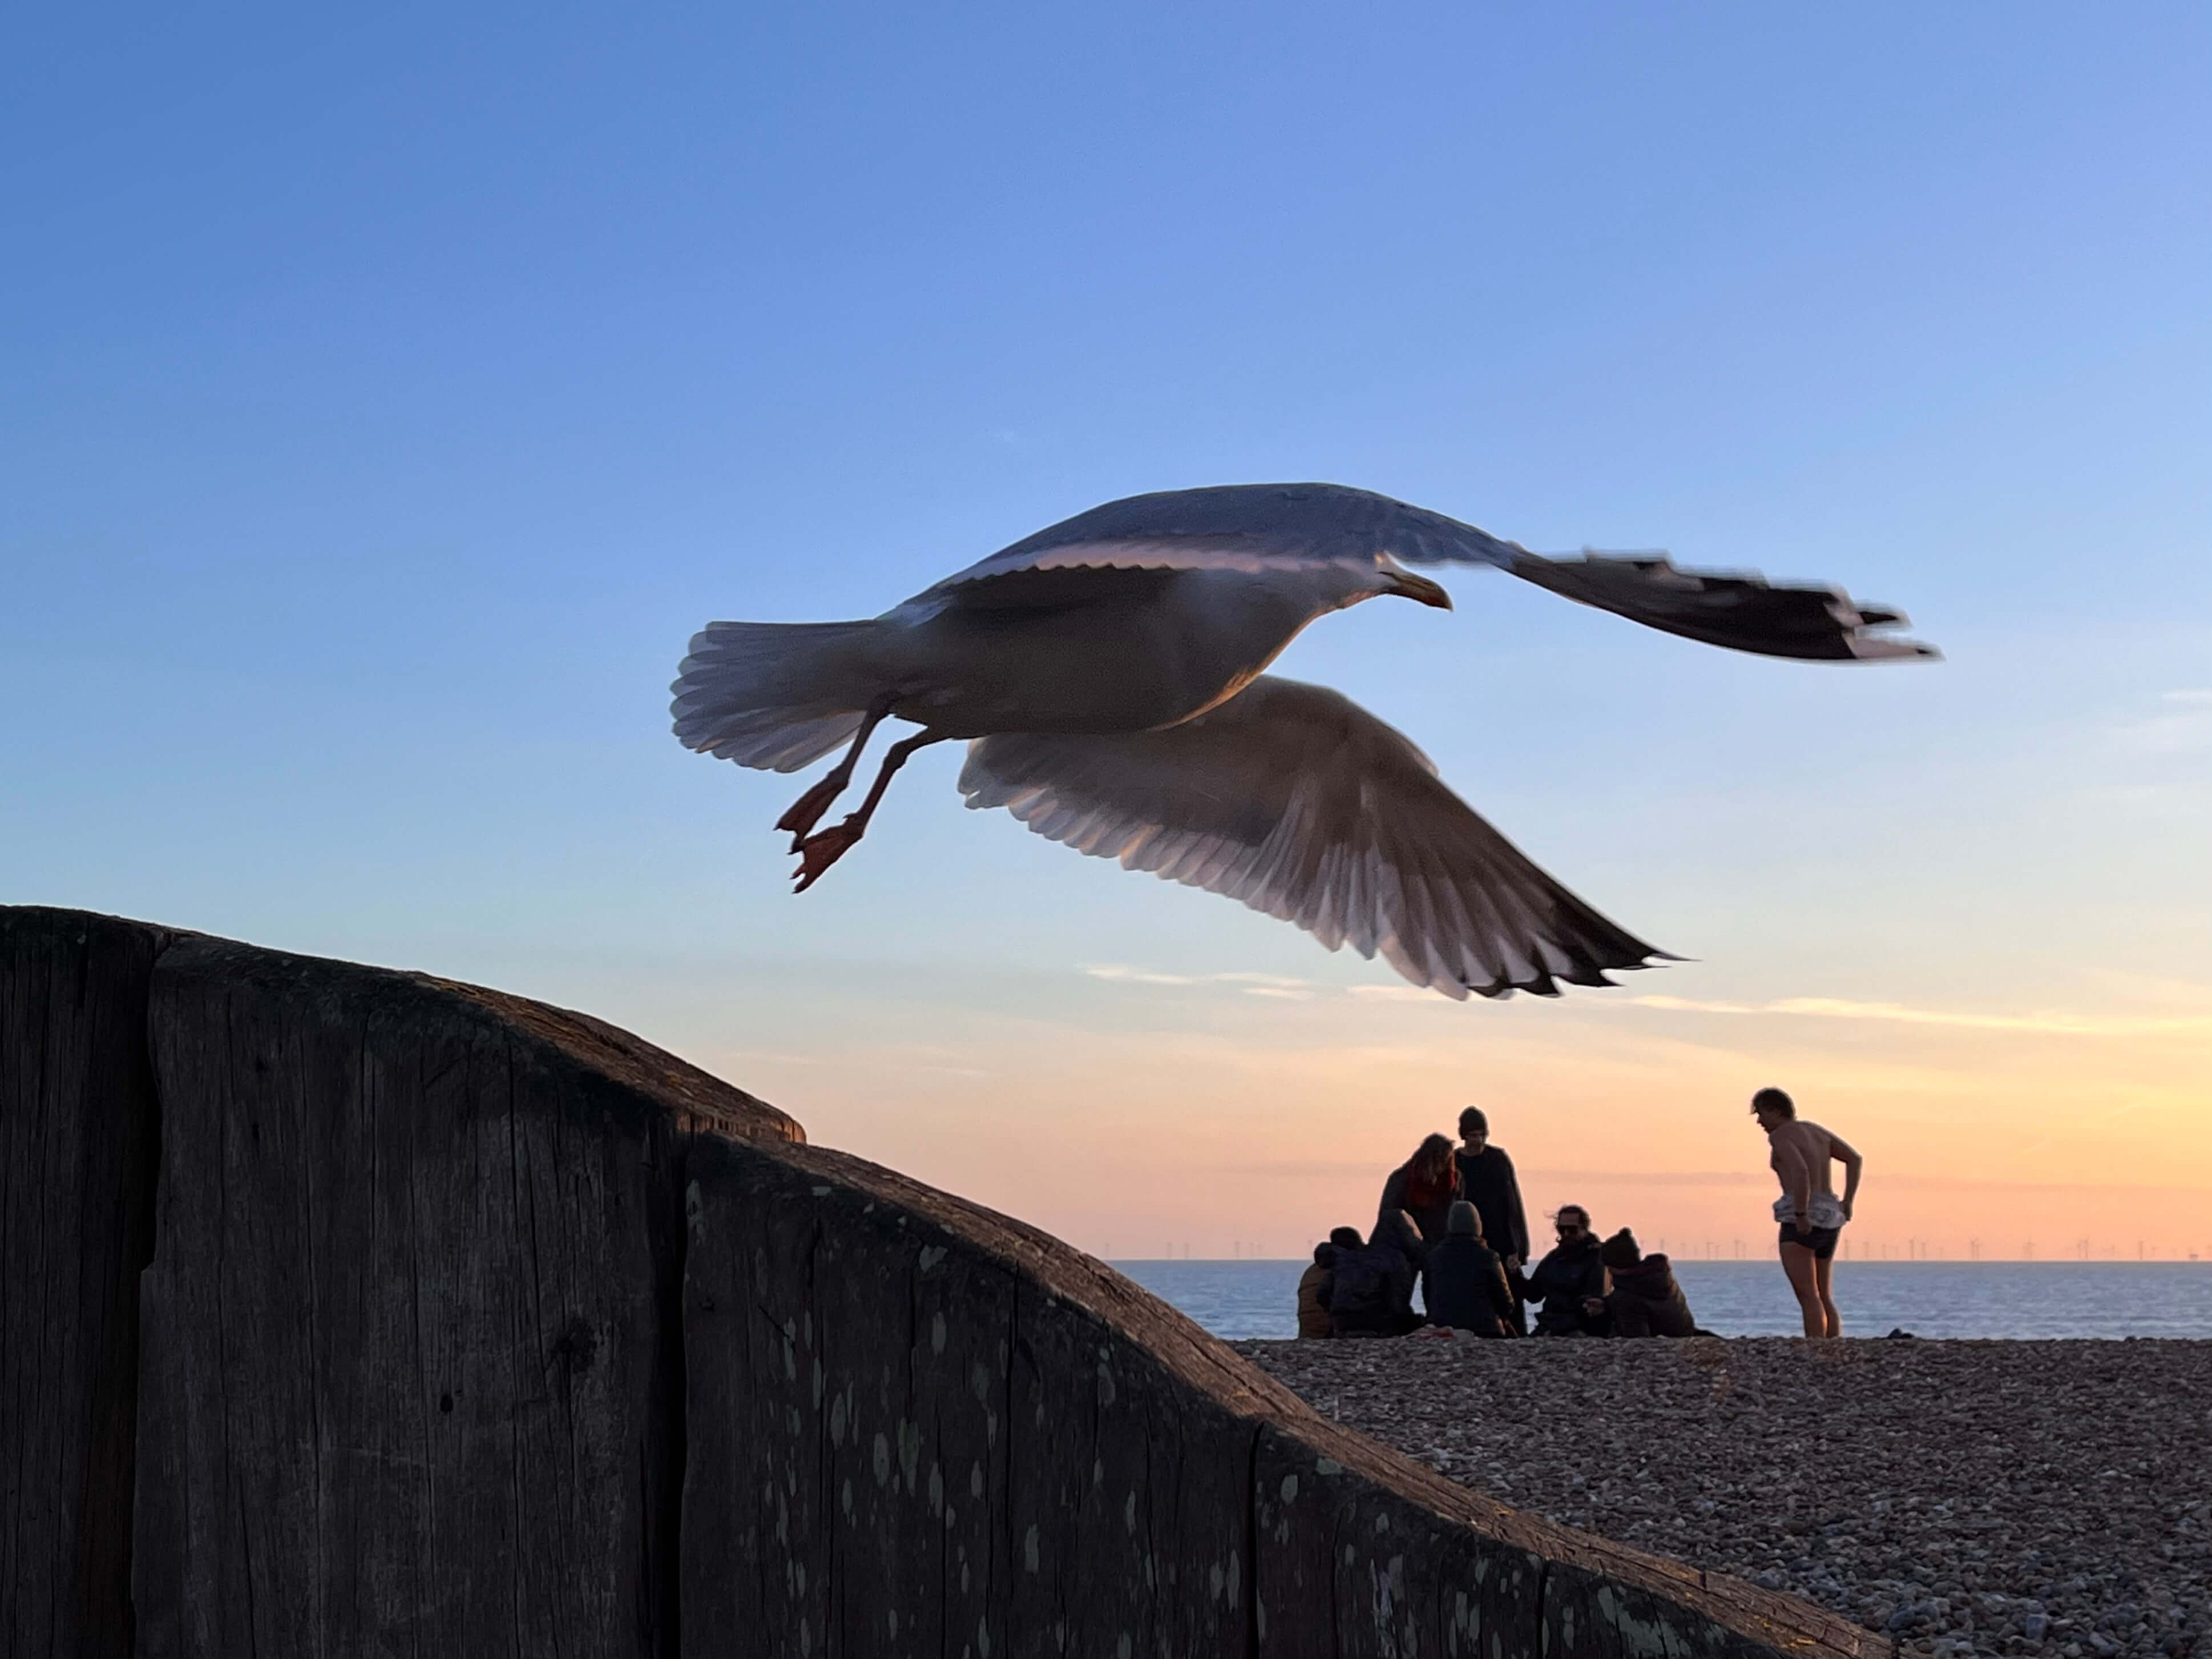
(1802,1268)
(1823,1277)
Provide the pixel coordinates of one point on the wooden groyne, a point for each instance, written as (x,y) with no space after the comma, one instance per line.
(348,1311)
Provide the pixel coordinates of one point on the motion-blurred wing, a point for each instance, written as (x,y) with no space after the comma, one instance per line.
(1295,800)
(1738,609)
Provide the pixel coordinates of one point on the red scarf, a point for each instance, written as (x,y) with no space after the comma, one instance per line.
(1422,1195)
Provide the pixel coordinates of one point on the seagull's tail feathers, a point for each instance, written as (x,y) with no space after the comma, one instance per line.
(1739,609)
(774,696)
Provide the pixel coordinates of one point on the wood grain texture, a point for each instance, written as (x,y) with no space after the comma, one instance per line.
(77,1155)
(412,1376)
(471,1326)
(895,1447)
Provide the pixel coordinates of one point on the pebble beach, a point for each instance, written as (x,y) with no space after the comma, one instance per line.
(2033,1497)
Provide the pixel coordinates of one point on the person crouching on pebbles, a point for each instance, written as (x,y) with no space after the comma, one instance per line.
(1810,1214)
(1644,1301)
(1572,1281)
(1464,1283)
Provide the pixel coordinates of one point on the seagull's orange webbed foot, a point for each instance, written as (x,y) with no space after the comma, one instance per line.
(818,853)
(806,811)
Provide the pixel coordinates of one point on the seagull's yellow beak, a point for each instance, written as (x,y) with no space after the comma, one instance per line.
(1406,585)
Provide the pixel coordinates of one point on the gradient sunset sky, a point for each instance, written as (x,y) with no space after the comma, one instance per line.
(388,396)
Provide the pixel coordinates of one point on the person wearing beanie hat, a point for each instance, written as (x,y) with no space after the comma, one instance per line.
(1488,1180)
(1620,1251)
(1645,1300)
(1464,1283)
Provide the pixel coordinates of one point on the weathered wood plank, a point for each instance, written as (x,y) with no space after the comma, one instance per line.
(897,1445)
(77,1145)
(1124,1477)
(408,1383)
(1134,1490)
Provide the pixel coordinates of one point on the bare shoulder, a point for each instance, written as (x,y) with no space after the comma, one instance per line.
(1820,1137)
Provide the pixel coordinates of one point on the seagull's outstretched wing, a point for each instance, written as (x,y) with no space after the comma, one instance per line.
(1258,528)
(1254,528)
(1736,608)
(1299,802)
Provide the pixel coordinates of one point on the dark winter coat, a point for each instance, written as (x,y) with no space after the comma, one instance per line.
(1371,1292)
(1560,1281)
(1464,1283)
(1488,1183)
(1313,1291)
(1645,1301)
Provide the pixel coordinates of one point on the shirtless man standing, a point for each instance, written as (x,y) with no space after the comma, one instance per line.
(1810,1214)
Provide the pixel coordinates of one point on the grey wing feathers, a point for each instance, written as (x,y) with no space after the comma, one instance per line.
(1297,802)
(1249,527)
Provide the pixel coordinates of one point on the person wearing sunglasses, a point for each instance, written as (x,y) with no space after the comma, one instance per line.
(1571,1281)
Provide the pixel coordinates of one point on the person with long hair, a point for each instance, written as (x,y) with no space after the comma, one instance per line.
(1424,1187)
(1572,1281)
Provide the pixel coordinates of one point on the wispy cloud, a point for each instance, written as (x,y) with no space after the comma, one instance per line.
(2045,1023)
(1899,1180)
(2182,726)
(1252,985)
(1140,975)
(1400,993)
(2052,1024)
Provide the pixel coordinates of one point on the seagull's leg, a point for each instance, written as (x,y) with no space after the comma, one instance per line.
(818,852)
(806,811)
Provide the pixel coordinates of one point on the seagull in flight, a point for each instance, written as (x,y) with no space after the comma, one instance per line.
(1108,674)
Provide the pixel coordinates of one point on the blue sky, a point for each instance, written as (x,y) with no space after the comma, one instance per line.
(388,398)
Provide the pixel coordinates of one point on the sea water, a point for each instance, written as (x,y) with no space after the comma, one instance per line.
(2108,1299)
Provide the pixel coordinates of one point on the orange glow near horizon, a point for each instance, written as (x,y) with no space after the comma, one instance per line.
(1249,1116)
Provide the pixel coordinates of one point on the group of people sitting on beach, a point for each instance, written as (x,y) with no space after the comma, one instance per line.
(1451,1220)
